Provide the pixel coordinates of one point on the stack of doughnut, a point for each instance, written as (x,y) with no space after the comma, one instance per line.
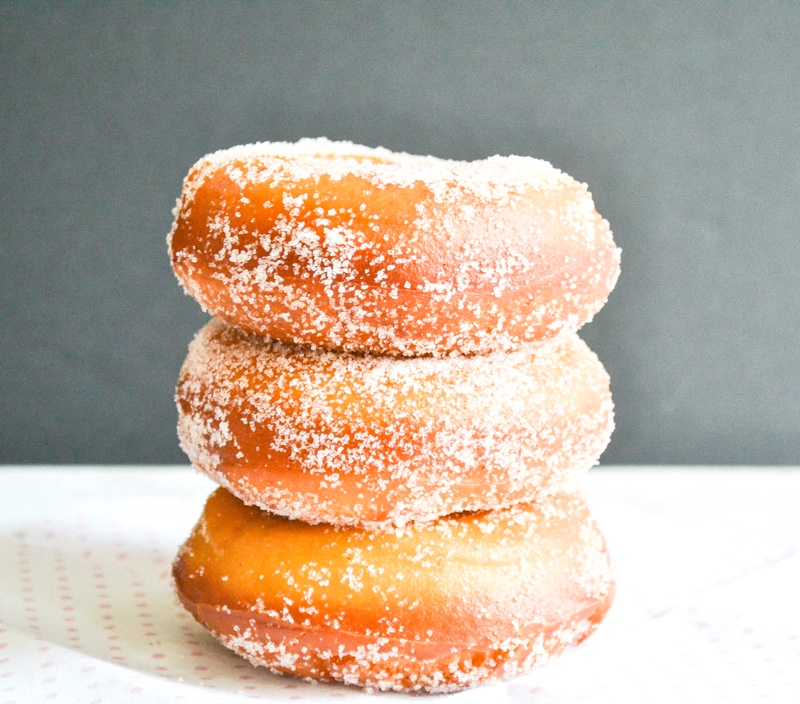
(395,403)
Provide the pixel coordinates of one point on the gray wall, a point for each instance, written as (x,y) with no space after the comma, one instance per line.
(682,117)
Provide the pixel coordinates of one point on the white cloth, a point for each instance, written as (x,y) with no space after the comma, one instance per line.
(708,606)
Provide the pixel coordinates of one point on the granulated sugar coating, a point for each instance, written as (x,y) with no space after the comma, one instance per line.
(360,439)
(339,246)
(394,400)
(469,599)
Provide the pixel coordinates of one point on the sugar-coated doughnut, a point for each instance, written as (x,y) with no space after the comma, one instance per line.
(467,600)
(339,246)
(366,440)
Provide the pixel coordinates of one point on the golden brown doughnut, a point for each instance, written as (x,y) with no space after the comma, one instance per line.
(365,440)
(467,600)
(339,246)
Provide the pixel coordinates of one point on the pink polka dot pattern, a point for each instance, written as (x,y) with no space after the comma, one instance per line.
(707,607)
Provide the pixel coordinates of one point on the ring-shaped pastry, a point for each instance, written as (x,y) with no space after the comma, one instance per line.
(375,441)
(338,246)
(467,600)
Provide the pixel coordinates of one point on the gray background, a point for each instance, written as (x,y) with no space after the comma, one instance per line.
(682,117)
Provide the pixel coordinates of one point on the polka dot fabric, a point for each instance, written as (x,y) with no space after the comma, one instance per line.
(707,562)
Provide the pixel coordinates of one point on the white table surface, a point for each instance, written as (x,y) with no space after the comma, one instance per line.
(707,562)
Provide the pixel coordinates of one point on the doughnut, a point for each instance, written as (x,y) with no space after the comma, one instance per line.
(339,246)
(375,441)
(467,600)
